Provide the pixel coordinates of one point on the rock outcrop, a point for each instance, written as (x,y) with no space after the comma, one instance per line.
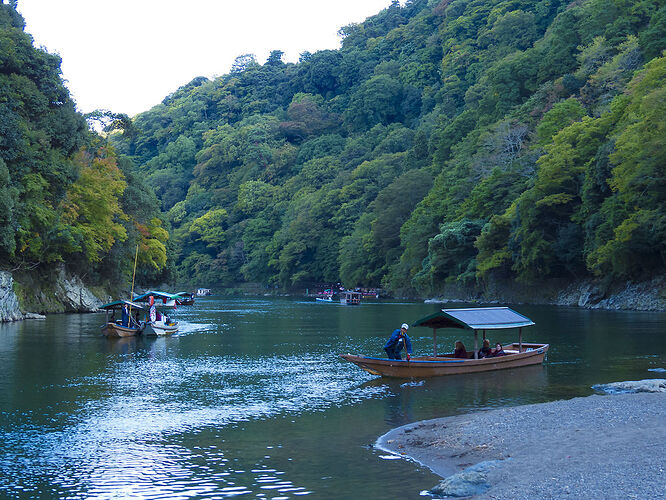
(57,292)
(631,386)
(9,304)
(74,295)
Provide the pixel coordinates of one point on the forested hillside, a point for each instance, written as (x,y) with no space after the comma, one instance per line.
(446,141)
(65,195)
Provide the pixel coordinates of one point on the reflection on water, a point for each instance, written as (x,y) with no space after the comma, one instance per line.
(250,398)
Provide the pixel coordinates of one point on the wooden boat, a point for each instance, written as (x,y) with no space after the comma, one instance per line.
(160,299)
(324,299)
(350,298)
(123,327)
(517,354)
(157,322)
(161,327)
(184,299)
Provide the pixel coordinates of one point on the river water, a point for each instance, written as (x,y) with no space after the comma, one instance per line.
(250,399)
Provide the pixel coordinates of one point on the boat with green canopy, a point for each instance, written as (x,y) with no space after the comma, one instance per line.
(473,320)
(126,325)
(158,322)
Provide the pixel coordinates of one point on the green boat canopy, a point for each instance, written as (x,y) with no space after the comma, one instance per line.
(478,318)
(161,295)
(118,304)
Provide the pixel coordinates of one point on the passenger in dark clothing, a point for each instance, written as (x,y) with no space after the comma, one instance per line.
(498,351)
(460,351)
(397,341)
(485,351)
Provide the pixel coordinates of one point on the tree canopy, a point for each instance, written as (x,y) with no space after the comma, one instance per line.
(65,194)
(445,141)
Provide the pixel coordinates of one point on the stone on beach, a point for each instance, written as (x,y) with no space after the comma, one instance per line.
(630,386)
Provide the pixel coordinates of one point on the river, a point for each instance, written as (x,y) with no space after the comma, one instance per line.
(250,399)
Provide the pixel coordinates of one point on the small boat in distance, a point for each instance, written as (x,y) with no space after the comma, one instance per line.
(126,325)
(184,298)
(158,322)
(203,292)
(517,354)
(160,299)
(350,298)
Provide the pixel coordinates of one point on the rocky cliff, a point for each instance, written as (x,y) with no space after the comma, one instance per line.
(9,305)
(58,292)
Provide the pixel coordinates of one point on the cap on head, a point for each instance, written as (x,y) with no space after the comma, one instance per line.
(405,326)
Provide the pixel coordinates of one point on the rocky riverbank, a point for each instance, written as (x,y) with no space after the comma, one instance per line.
(601,446)
(33,296)
(590,294)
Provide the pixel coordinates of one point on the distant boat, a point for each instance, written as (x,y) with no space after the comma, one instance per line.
(126,325)
(203,292)
(324,299)
(184,299)
(350,298)
(517,354)
(158,323)
(160,299)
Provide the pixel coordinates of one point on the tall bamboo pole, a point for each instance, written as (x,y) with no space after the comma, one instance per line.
(136,254)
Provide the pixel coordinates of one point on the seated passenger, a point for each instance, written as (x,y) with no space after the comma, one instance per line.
(485,351)
(460,351)
(498,351)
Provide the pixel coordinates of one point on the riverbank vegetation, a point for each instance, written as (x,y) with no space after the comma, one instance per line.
(65,194)
(446,141)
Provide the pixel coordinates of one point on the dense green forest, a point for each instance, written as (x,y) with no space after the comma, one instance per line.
(446,141)
(65,194)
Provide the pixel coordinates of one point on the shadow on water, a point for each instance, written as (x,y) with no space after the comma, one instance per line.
(416,399)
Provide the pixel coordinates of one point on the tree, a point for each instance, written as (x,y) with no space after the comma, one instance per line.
(243,63)
(210,228)
(91,210)
(275,58)
(638,241)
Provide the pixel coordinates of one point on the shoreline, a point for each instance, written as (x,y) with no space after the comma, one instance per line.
(603,446)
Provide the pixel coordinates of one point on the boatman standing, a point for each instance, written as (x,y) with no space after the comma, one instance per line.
(398,340)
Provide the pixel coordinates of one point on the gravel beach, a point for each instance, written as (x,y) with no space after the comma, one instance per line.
(610,446)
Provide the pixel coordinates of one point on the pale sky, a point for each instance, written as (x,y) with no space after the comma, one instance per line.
(127,55)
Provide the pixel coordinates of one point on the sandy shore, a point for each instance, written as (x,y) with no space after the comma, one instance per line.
(611,447)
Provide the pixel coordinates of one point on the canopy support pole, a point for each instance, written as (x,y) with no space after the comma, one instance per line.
(484,334)
(434,341)
(476,344)
(520,339)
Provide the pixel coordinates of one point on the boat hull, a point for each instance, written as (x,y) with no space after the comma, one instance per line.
(115,330)
(434,366)
(159,328)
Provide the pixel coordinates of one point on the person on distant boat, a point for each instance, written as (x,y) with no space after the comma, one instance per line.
(460,351)
(485,351)
(125,316)
(498,351)
(397,341)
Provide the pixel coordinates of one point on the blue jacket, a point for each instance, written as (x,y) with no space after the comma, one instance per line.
(396,341)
